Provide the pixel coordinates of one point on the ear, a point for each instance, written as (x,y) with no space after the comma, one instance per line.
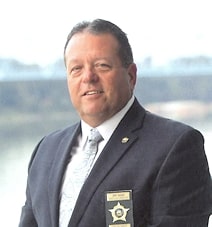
(132,72)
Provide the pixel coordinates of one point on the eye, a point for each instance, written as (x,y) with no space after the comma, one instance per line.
(75,70)
(102,66)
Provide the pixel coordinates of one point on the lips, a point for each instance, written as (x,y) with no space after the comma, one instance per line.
(93,92)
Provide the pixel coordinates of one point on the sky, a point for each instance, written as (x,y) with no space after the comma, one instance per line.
(34,32)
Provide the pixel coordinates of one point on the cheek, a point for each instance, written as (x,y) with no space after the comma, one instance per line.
(73,84)
(112,84)
(121,85)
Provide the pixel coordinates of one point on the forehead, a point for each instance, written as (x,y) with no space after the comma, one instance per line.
(88,42)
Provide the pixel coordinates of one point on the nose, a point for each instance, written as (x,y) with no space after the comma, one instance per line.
(89,75)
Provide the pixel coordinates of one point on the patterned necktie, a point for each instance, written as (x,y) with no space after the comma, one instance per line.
(76,174)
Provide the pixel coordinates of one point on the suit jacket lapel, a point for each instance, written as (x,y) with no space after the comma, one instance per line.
(62,157)
(123,137)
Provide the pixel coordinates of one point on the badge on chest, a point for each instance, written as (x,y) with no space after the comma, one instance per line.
(119,208)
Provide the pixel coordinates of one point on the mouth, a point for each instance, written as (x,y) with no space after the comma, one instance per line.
(94,92)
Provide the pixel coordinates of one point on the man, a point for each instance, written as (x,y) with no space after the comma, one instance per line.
(148,171)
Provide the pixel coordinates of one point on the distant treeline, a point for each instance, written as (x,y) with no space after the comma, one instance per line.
(163,89)
(52,95)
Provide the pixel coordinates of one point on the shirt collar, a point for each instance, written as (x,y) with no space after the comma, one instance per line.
(107,128)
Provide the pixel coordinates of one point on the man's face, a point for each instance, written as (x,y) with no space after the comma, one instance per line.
(99,86)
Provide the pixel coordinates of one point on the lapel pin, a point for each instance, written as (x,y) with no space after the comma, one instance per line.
(125,140)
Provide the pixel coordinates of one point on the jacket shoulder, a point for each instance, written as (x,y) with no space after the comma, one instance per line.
(166,125)
(52,142)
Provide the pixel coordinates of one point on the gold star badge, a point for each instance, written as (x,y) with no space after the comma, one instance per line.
(119,212)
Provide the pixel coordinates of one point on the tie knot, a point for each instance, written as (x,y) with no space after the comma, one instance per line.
(94,136)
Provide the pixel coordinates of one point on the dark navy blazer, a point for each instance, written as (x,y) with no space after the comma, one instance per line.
(163,163)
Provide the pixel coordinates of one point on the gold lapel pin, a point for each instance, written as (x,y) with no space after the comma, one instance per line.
(125,140)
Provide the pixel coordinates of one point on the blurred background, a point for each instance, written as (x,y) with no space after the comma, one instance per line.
(171,41)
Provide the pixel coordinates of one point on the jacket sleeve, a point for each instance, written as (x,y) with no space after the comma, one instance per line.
(182,192)
(27,218)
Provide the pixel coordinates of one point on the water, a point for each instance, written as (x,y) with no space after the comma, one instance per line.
(13,174)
